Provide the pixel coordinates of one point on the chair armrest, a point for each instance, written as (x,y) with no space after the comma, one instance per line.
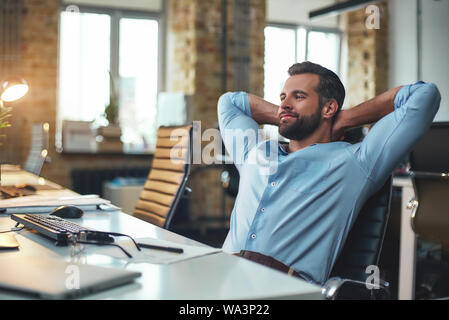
(347,289)
(225,179)
(413,205)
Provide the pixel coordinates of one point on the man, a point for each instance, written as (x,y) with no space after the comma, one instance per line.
(295,212)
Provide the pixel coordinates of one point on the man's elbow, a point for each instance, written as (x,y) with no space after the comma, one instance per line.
(224,102)
(434,96)
(433,90)
(424,97)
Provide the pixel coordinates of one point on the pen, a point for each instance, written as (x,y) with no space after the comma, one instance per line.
(169,249)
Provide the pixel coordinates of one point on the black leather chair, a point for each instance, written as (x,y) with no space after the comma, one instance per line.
(351,276)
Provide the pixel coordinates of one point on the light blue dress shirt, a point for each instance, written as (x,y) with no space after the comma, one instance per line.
(298,208)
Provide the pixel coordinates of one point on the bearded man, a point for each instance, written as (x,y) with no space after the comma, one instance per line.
(294,212)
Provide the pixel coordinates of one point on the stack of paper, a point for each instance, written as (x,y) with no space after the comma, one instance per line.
(45,204)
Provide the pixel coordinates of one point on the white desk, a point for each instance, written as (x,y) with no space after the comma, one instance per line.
(213,277)
(406,288)
(216,276)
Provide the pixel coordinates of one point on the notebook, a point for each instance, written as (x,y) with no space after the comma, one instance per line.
(45,204)
(50,278)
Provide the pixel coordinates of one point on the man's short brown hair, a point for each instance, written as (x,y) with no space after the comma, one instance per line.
(329,87)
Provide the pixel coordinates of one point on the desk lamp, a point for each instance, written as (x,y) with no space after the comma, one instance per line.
(11,90)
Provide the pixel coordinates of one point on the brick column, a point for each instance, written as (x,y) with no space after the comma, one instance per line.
(367,56)
(197,32)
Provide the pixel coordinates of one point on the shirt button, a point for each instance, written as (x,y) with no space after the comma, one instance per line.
(273,184)
(263,209)
(253,236)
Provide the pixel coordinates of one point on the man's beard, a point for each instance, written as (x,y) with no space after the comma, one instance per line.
(303,126)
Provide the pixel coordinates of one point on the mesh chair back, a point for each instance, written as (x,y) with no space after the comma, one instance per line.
(167,177)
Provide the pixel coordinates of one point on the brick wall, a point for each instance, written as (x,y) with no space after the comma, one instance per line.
(39,66)
(197,32)
(197,66)
(367,74)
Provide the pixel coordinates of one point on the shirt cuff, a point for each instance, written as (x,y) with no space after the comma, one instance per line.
(241,100)
(404,93)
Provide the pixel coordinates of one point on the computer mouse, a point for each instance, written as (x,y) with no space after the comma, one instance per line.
(67,212)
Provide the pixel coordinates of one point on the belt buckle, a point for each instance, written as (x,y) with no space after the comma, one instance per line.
(291,271)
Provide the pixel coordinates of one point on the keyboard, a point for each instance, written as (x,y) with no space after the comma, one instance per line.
(57,228)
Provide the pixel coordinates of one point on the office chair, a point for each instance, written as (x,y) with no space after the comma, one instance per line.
(351,274)
(429,170)
(168,176)
(38,154)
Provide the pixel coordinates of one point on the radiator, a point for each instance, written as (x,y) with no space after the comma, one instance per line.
(90,181)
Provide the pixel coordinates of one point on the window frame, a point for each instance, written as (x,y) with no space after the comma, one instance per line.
(308,29)
(295,28)
(115,15)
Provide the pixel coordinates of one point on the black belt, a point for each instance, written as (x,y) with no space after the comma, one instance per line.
(268,261)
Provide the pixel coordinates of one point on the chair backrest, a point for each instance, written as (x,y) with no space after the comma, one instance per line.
(429,166)
(364,243)
(167,177)
(38,148)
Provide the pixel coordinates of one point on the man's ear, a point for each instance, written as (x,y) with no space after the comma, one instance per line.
(329,109)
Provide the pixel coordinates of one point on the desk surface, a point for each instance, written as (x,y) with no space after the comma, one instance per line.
(212,277)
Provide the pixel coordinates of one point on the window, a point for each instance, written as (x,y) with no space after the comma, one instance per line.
(323,48)
(97,45)
(138,67)
(83,65)
(288,44)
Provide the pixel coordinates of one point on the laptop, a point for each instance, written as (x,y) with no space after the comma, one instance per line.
(50,278)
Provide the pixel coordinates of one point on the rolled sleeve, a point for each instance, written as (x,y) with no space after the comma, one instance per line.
(393,137)
(238,129)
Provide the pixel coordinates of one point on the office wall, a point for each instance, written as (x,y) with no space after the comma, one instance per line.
(195,58)
(420,48)
(297,12)
(39,66)
(435,50)
(403,59)
(367,55)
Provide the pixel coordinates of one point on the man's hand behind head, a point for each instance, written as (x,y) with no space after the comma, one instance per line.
(338,128)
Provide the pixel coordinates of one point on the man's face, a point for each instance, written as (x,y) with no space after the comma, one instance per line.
(299,112)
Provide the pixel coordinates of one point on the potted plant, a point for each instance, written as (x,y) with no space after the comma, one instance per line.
(4,123)
(110,135)
(112,109)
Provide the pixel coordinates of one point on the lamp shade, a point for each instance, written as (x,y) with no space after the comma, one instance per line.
(13,89)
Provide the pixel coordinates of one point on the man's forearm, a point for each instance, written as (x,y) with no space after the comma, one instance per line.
(369,111)
(263,112)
